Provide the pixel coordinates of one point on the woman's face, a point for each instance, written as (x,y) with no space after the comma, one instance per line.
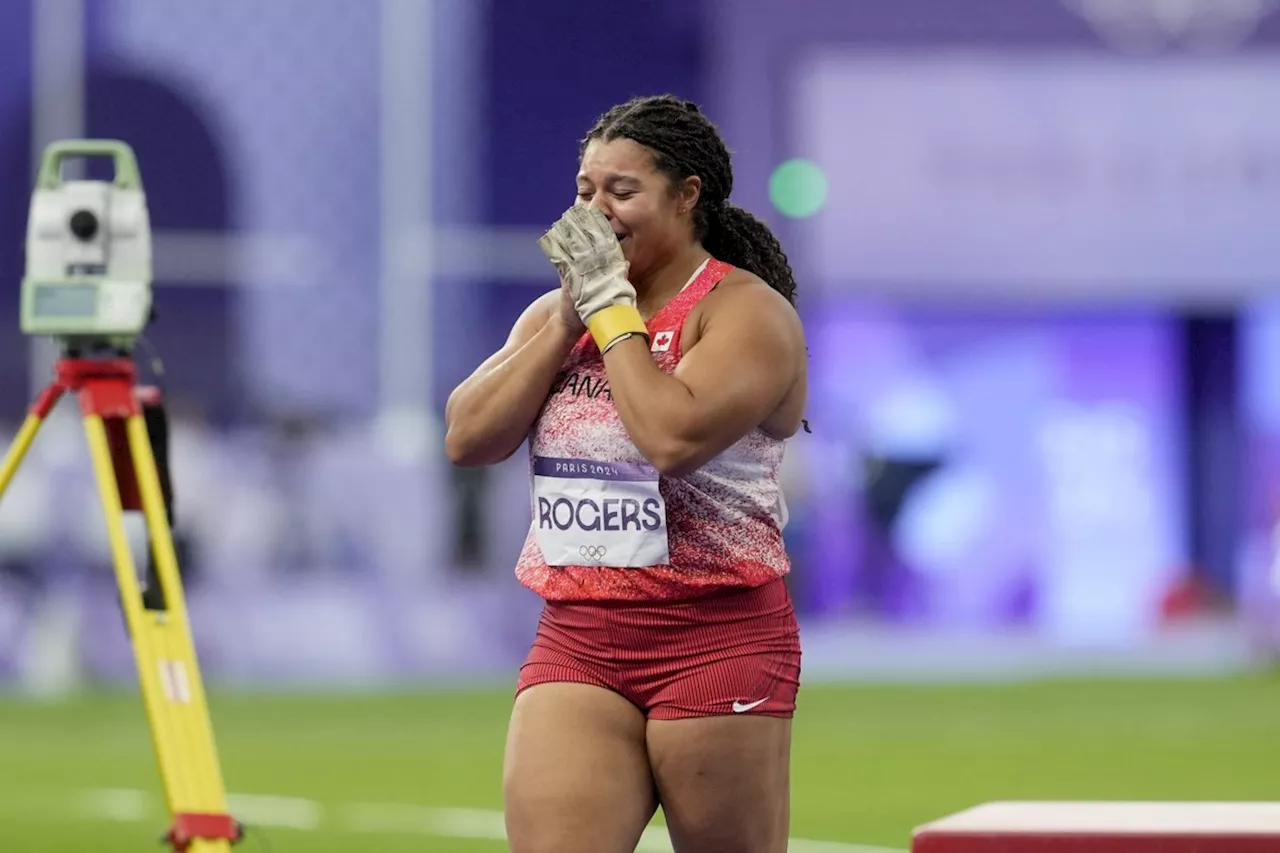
(651,220)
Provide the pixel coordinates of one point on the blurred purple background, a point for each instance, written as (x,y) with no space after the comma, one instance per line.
(1038,291)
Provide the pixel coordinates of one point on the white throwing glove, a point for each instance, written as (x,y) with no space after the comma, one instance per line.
(585,251)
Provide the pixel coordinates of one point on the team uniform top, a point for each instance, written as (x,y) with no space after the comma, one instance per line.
(607,526)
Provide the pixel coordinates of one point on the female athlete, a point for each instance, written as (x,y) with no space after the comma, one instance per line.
(656,388)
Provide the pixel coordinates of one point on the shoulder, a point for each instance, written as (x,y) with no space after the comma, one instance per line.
(742,297)
(542,309)
(534,317)
(545,305)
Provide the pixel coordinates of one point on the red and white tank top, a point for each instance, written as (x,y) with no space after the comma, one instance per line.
(607,526)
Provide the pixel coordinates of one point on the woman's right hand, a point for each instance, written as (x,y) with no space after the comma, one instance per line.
(568,314)
(489,415)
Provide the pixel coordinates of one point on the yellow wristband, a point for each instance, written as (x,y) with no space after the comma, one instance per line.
(609,324)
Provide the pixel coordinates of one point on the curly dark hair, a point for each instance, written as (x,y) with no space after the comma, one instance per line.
(685,143)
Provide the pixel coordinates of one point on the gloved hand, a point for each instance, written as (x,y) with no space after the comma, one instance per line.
(585,252)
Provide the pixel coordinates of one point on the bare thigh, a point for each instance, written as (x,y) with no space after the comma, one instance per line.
(724,782)
(576,774)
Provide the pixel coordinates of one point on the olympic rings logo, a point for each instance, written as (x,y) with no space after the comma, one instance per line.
(593,552)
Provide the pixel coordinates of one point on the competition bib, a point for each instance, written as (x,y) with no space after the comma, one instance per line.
(599,513)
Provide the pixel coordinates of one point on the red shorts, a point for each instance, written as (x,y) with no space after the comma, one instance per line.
(732,652)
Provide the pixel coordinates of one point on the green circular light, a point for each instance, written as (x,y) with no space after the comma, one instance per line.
(798,188)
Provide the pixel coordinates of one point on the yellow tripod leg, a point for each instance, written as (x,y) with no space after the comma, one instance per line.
(164,652)
(18,450)
(40,409)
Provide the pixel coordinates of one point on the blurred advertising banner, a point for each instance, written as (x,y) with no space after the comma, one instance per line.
(1059,176)
(991,471)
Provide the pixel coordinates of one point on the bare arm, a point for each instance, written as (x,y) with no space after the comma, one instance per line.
(749,356)
(488,416)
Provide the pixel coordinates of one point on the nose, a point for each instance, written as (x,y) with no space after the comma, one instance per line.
(599,203)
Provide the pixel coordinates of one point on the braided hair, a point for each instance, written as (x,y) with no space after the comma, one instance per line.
(685,143)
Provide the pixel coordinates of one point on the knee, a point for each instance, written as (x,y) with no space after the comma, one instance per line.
(731,842)
(524,836)
(726,839)
(553,831)
(543,819)
(530,825)
(760,830)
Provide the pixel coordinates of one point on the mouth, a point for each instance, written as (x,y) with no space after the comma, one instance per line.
(622,239)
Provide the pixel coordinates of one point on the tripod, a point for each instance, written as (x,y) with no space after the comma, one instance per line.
(173,694)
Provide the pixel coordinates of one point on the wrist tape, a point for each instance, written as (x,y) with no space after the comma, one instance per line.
(609,324)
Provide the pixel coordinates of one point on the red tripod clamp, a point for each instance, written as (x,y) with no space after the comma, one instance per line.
(107,388)
(190,826)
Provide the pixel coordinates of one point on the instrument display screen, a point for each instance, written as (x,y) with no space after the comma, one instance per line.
(66,300)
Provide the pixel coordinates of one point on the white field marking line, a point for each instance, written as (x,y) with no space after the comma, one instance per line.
(122,804)
(458,823)
(282,812)
(131,805)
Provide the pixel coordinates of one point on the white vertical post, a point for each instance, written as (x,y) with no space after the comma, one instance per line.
(405,368)
(50,657)
(57,112)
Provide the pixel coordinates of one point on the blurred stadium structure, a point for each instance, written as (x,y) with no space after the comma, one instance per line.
(1036,241)
(1036,244)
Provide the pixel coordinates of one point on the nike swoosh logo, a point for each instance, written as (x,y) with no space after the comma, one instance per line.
(739,707)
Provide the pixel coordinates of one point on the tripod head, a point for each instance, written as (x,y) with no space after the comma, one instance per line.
(88,276)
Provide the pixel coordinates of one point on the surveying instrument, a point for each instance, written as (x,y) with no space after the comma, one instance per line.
(88,286)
